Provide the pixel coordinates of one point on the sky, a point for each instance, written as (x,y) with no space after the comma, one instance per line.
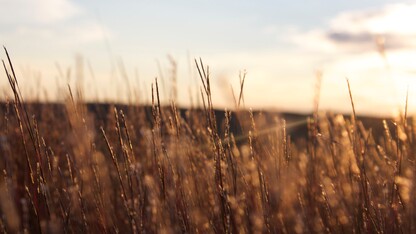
(114,50)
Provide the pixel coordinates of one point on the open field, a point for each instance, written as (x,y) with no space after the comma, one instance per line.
(76,168)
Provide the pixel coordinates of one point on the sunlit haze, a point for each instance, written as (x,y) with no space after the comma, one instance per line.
(115,50)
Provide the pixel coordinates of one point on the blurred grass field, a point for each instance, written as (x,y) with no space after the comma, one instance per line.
(75,167)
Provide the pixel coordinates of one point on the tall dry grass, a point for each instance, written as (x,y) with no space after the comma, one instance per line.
(154,170)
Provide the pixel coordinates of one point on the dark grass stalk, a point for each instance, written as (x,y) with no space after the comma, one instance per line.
(120,178)
(370,223)
(217,146)
(136,175)
(312,189)
(157,124)
(33,205)
(182,207)
(98,197)
(127,160)
(159,108)
(70,170)
(228,139)
(406,106)
(47,152)
(396,197)
(176,119)
(360,161)
(132,158)
(6,116)
(78,184)
(257,155)
(42,183)
(83,208)
(241,96)
(231,164)
(71,96)
(15,105)
(28,161)
(19,101)
(163,130)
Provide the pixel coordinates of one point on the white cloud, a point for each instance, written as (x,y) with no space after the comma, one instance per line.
(391,19)
(36,11)
(358,30)
(54,22)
